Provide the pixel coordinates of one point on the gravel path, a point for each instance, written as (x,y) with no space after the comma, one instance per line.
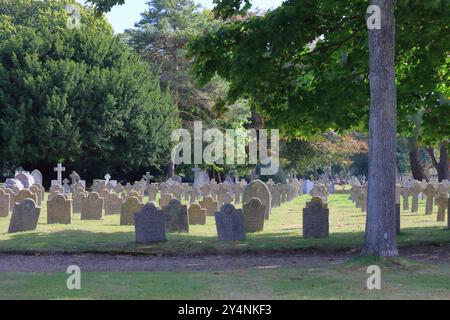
(58,262)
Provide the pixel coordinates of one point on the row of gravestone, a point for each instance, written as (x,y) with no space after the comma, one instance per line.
(434,192)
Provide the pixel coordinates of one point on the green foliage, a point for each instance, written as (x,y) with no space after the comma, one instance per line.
(305,64)
(77,95)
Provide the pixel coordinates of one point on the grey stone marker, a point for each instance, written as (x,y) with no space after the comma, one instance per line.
(4,203)
(149,224)
(316,219)
(176,217)
(25,217)
(92,207)
(59,210)
(230,223)
(254,216)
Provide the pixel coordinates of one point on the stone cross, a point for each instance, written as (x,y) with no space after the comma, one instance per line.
(107,177)
(59,170)
(147,178)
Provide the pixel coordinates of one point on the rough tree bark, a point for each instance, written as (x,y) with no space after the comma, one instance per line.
(441,166)
(380,237)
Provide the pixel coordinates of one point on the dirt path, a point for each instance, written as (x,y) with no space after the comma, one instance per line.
(113,263)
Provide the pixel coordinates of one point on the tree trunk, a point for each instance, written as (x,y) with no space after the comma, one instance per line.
(442,167)
(414,159)
(380,237)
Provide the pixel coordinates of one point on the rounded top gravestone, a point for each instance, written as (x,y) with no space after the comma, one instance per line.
(258,189)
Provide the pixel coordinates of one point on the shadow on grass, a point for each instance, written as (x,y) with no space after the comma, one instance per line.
(187,244)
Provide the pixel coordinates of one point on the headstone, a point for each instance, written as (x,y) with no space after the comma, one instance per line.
(129,208)
(316,219)
(78,200)
(430,192)
(25,217)
(201,178)
(254,215)
(66,186)
(25,194)
(197,215)
(59,210)
(230,224)
(176,217)
(25,178)
(13,183)
(149,224)
(75,177)
(210,205)
(165,199)
(37,176)
(59,169)
(258,189)
(5,208)
(37,190)
(92,208)
(113,204)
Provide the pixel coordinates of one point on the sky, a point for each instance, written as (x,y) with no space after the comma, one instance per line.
(123,17)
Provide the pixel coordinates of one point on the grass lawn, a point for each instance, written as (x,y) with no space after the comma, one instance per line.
(402,280)
(281,232)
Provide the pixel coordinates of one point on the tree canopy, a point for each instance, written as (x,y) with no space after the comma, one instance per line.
(304,64)
(77,95)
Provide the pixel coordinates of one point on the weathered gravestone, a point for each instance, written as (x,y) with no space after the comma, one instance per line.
(176,217)
(149,224)
(113,204)
(258,189)
(4,204)
(37,176)
(430,192)
(92,207)
(78,200)
(316,219)
(197,215)
(230,224)
(210,205)
(129,208)
(59,210)
(37,191)
(254,215)
(25,217)
(25,194)
(25,178)
(165,199)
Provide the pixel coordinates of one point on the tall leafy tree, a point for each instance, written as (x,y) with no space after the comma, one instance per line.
(305,66)
(77,95)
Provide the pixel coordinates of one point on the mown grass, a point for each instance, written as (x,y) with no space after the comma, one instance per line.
(343,281)
(282,232)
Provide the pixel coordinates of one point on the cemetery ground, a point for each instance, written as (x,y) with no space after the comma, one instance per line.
(274,264)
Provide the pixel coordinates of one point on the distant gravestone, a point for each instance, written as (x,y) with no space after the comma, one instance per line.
(92,208)
(78,200)
(113,204)
(210,205)
(129,208)
(165,199)
(36,189)
(316,219)
(25,194)
(152,190)
(4,204)
(25,217)
(37,176)
(59,210)
(258,189)
(254,215)
(149,224)
(25,178)
(197,215)
(176,217)
(230,224)
(13,183)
